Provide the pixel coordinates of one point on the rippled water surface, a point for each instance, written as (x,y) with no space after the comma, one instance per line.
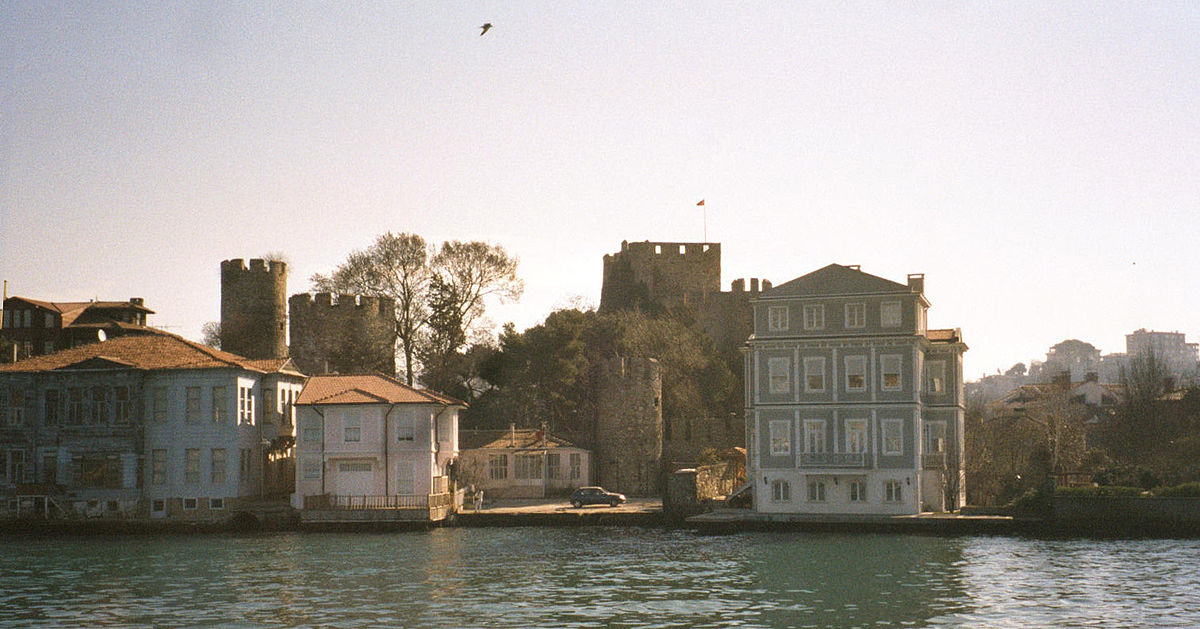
(594,577)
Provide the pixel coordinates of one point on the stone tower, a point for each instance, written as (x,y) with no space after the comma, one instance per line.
(343,333)
(254,308)
(666,274)
(629,426)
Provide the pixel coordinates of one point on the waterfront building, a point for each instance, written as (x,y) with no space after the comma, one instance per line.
(372,448)
(522,463)
(145,426)
(853,406)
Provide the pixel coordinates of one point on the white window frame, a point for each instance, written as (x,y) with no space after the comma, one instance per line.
(158,466)
(311,470)
(779,375)
(893,491)
(218,474)
(814,317)
(216,504)
(856,315)
(406,425)
(195,503)
(498,466)
(814,366)
(781,490)
(191,466)
(780,431)
(893,434)
(857,433)
(891,314)
(935,376)
(814,436)
(858,491)
(855,366)
(891,365)
(575,460)
(351,425)
(777,318)
(816,491)
(935,437)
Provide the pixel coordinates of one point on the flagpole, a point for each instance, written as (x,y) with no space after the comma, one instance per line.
(704,208)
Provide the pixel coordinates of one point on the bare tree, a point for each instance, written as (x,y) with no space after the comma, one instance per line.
(210,334)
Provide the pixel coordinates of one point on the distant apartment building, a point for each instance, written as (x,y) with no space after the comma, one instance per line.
(146,426)
(34,327)
(853,406)
(1179,359)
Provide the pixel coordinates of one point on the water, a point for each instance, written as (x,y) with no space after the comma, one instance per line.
(596,577)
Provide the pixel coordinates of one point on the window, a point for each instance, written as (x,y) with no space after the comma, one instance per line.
(158,505)
(355,466)
(858,491)
(777,375)
(312,469)
(406,425)
(814,374)
(16,410)
(191,466)
(777,318)
(893,491)
(856,373)
(49,320)
(893,439)
(935,376)
(814,436)
(122,405)
(527,466)
(781,491)
(856,436)
(576,461)
(816,491)
(781,437)
(220,405)
(192,412)
(189,504)
(406,479)
(216,503)
(890,366)
(48,347)
(310,433)
(50,467)
(29,318)
(935,437)
(100,405)
(245,405)
(889,314)
(159,405)
(814,317)
(158,467)
(16,466)
(553,466)
(53,406)
(75,406)
(219,466)
(856,315)
(244,462)
(351,425)
(497,466)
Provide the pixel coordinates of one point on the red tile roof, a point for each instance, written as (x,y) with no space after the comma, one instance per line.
(367,389)
(521,438)
(151,352)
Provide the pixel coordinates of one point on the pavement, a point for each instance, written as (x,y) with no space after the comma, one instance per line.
(559,505)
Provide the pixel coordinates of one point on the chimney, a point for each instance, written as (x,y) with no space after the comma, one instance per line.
(916,282)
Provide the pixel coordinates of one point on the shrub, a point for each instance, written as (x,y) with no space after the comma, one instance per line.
(1186,490)
(1103,491)
(1031,504)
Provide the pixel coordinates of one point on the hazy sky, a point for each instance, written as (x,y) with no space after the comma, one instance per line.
(1037,161)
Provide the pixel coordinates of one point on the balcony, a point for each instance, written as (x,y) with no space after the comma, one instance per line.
(834,459)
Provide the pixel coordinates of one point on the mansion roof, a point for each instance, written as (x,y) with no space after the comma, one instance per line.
(513,438)
(155,352)
(367,389)
(836,279)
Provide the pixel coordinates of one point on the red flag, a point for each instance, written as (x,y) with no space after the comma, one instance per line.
(701,202)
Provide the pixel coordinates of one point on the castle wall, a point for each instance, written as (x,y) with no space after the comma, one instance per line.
(343,333)
(629,426)
(667,273)
(254,308)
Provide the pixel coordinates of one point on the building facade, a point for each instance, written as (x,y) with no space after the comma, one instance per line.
(853,406)
(371,443)
(147,426)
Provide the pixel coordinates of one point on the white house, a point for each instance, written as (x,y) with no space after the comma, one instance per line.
(853,406)
(522,463)
(372,448)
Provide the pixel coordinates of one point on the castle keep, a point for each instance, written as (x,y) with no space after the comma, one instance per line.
(254,308)
(343,333)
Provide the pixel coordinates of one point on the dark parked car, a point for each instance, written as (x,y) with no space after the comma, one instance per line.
(595,496)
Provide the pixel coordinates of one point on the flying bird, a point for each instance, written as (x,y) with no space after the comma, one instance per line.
(485,28)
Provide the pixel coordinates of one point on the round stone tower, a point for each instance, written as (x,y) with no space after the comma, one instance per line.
(254,308)
(629,426)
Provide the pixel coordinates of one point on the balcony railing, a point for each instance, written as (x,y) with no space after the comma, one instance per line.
(834,459)
(366,503)
(933,461)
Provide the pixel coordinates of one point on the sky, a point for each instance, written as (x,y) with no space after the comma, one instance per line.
(1036,161)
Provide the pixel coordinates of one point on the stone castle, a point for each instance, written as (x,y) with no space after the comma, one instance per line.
(329,333)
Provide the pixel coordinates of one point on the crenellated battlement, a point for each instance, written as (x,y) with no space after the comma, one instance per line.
(257,265)
(254,307)
(343,333)
(369,305)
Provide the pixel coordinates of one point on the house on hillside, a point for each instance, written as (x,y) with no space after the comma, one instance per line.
(853,406)
(145,426)
(522,463)
(36,327)
(371,448)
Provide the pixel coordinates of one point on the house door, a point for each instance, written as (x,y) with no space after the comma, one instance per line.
(354,478)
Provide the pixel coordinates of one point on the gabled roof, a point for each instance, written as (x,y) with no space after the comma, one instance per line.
(835,279)
(367,389)
(520,438)
(69,311)
(150,352)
